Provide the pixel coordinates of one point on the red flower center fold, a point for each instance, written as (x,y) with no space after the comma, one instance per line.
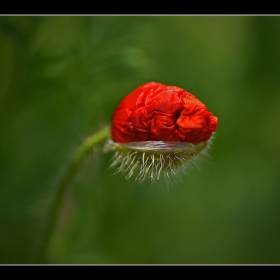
(156,112)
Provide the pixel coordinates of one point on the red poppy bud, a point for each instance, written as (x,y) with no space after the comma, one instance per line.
(156,112)
(159,129)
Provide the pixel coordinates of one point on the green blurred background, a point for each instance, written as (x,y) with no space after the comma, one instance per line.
(60,80)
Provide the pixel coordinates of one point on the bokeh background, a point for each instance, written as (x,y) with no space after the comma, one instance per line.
(60,80)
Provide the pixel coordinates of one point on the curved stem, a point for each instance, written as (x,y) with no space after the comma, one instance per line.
(71,171)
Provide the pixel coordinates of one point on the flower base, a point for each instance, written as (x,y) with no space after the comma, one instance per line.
(151,159)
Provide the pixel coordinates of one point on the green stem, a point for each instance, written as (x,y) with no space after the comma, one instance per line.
(68,176)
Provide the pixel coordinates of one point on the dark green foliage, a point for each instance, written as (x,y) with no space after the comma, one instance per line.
(60,80)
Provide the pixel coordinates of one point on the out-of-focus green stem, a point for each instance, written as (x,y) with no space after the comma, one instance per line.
(69,174)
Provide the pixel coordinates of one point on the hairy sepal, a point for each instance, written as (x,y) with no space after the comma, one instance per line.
(153,159)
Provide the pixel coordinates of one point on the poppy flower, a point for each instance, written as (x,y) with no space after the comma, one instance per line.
(156,112)
(158,128)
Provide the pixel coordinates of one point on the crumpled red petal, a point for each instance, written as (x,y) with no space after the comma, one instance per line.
(157,112)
